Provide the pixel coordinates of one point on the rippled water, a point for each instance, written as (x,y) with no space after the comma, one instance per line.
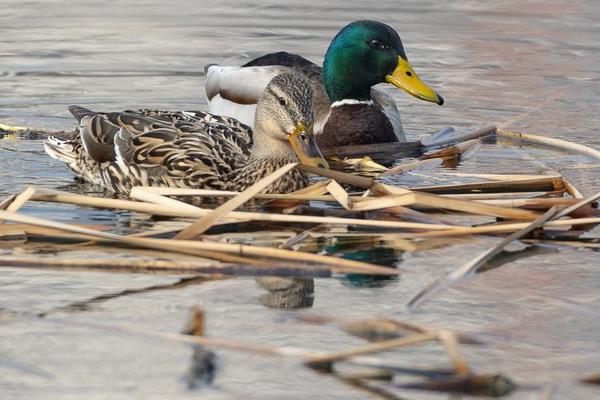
(529,65)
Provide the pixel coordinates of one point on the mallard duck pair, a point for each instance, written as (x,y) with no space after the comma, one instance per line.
(283,96)
(348,109)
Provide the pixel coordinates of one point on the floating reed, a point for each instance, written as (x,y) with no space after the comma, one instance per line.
(205,249)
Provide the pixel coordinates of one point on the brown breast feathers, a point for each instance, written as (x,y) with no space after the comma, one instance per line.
(356,124)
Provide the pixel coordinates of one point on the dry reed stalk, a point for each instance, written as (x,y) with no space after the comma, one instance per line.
(471,207)
(363,164)
(504,195)
(452,151)
(372,348)
(206,248)
(567,243)
(140,193)
(203,224)
(535,203)
(313,192)
(19,200)
(6,202)
(593,379)
(390,196)
(157,209)
(473,265)
(167,191)
(354,180)
(495,228)
(208,341)
(501,177)
(44,231)
(361,383)
(572,190)
(551,142)
(397,150)
(451,344)
(339,194)
(488,130)
(519,185)
(582,203)
(11,233)
(377,329)
(403,168)
(146,265)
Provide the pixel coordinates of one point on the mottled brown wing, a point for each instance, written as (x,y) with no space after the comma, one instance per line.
(180,149)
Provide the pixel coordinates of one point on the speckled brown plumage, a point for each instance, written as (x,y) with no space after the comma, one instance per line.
(175,149)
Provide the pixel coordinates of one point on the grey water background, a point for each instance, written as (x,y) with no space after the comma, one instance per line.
(526,65)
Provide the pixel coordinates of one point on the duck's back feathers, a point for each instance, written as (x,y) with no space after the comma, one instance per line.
(154,148)
(290,60)
(234,91)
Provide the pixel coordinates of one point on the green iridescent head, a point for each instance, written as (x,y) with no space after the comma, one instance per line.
(365,53)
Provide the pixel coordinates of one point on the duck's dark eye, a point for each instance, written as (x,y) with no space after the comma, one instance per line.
(376,44)
(282,101)
(303,136)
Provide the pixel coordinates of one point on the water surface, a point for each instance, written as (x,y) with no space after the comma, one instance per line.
(526,65)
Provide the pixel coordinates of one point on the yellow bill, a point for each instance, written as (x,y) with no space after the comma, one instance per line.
(305,147)
(405,77)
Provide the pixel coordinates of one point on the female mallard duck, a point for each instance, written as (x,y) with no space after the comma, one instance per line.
(349,111)
(194,149)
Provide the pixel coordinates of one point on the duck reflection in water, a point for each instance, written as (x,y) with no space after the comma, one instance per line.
(294,293)
(290,293)
(203,366)
(367,249)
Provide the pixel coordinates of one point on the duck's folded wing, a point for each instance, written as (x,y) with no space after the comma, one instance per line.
(389,108)
(181,149)
(234,91)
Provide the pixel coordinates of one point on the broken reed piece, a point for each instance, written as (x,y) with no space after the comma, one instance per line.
(195,325)
(542,183)
(476,134)
(379,329)
(491,385)
(6,202)
(473,265)
(403,168)
(452,151)
(325,362)
(580,204)
(18,201)
(451,344)
(572,190)
(593,379)
(550,142)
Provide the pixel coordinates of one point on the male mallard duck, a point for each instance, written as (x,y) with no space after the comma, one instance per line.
(119,150)
(349,111)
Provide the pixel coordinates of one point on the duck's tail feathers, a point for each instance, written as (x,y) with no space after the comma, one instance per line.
(207,67)
(80,112)
(60,149)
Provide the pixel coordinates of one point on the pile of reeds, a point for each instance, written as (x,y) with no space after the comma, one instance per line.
(225,240)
